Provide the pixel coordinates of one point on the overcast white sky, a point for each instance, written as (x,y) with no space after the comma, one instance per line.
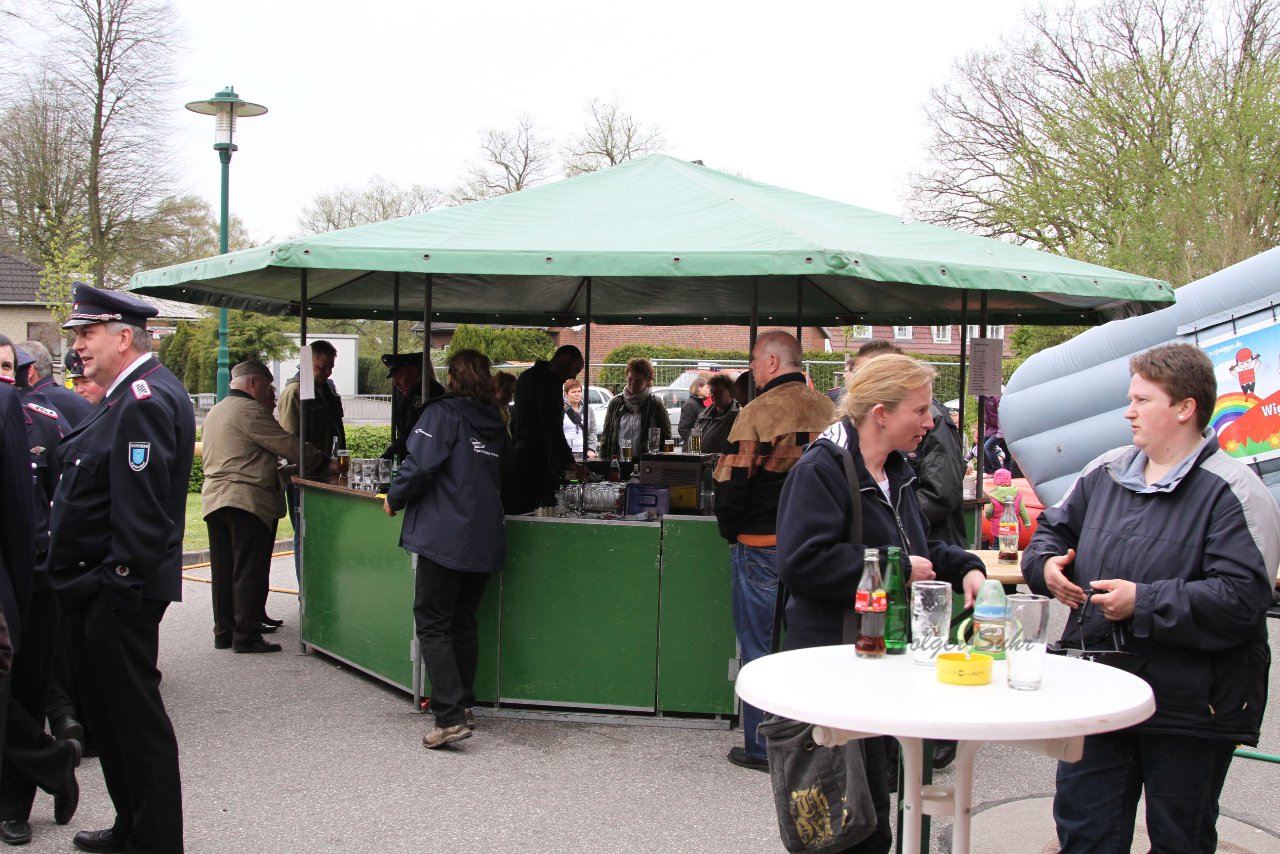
(822,97)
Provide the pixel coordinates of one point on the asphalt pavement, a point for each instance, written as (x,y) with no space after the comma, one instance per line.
(296,753)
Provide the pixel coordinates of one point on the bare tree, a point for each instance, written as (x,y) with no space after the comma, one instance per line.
(610,137)
(1142,134)
(511,159)
(42,171)
(378,200)
(117,57)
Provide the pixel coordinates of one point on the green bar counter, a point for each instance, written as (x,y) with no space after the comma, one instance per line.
(629,617)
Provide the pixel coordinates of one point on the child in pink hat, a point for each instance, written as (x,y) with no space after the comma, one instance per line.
(1002,492)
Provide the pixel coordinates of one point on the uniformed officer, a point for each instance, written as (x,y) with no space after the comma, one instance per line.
(17,531)
(80,384)
(32,757)
(69,405)
(115,562)
(405,372)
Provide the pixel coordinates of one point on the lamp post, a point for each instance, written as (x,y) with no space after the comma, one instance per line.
(226,106)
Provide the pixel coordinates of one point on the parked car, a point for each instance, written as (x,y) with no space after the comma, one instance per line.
(598,398)
(672,399)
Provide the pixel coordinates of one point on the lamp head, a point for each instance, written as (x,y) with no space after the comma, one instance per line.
(225,107)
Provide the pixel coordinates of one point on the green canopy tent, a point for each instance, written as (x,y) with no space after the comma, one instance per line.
(658,241)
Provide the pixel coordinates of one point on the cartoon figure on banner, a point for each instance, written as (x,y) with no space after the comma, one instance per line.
(1245,369)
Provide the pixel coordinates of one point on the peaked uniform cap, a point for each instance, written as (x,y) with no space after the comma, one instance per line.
(96,305)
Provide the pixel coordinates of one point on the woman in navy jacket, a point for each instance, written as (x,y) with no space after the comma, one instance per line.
(450,487)
(888,403)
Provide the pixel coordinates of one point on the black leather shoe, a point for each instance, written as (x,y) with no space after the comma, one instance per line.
(270,621)
(67,798)
(257,646)
(944,753)
(67,727)
(267,628)
(100,841)
(738,756)
(219,643)
(15,831)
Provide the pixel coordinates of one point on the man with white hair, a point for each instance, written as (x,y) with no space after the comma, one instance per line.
(767,439)
(243,501)
(115,562)
(72,407)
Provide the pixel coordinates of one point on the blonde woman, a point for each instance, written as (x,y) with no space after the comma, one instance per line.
(886,412)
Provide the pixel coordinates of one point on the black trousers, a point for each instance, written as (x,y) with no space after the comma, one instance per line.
(31,756)
(444,612)
(240,569)
(115,654)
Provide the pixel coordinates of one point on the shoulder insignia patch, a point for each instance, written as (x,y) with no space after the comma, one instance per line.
(141,390)
(38,450)
(43,410)
(139,452)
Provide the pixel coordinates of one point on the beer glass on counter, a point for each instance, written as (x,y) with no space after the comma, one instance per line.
(625,445)
(344,464)
(668,446)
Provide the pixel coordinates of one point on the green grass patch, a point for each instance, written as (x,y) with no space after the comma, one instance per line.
(196,536)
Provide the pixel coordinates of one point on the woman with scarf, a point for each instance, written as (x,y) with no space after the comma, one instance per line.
(574,418)
(632,413)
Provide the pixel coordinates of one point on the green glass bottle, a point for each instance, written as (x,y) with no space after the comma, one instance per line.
(895,588)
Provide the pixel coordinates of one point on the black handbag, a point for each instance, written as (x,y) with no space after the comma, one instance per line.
(820,794)
(1116,657)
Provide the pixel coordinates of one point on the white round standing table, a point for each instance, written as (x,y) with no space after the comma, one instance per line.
(847,697)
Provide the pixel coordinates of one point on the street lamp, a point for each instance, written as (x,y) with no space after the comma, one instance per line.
(226,106)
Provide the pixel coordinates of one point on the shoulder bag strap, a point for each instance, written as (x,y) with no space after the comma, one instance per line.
(855,528)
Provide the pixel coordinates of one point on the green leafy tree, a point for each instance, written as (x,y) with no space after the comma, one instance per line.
(503,345)
(1138,134)
(66,260)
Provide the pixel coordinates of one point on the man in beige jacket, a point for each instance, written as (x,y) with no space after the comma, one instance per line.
(243,500)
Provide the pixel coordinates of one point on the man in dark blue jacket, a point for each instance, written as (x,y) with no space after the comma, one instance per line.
(72,407)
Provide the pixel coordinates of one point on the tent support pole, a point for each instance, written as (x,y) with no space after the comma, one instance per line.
(982,437)
(396,403)
(800,312)
(755,328)
(586,370)
(427,370)
(299,535)
(964,353)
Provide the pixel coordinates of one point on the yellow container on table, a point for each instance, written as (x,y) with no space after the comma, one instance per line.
(958,668)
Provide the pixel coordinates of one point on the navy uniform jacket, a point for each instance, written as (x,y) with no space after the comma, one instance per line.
(17,531)
(120,507)
(44,433)
(72,407)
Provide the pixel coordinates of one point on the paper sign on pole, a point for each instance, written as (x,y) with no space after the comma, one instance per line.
(985,366)
(306,379)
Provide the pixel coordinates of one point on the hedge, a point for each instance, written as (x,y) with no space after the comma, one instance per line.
(362,441)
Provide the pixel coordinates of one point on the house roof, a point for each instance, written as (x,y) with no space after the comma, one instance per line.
(19,279)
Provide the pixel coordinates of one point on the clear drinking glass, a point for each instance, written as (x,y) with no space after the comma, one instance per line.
(930,620)
(655,439)
(384,474)
(625,445)
(1025,639)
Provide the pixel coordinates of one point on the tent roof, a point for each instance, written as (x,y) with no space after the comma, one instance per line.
(661,241)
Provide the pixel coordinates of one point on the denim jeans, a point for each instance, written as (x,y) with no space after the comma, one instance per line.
(444,613)
(1097,797)
(755,590)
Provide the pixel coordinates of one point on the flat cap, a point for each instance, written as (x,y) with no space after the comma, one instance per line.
(396,361)
(250,368)
(97,305)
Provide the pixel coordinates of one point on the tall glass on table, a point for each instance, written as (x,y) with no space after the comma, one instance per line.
(930,620)
(1026,637)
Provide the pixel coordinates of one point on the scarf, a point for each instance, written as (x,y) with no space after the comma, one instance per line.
(574,415)
(634,401)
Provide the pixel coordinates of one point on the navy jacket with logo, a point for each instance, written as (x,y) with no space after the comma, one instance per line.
(451,485)
(119,511)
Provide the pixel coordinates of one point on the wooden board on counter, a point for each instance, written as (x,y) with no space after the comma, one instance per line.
(1002,572)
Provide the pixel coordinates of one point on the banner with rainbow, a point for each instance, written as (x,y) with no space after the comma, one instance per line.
(1246,415)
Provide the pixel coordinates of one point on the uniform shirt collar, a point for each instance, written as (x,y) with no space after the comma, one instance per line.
(126,372)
